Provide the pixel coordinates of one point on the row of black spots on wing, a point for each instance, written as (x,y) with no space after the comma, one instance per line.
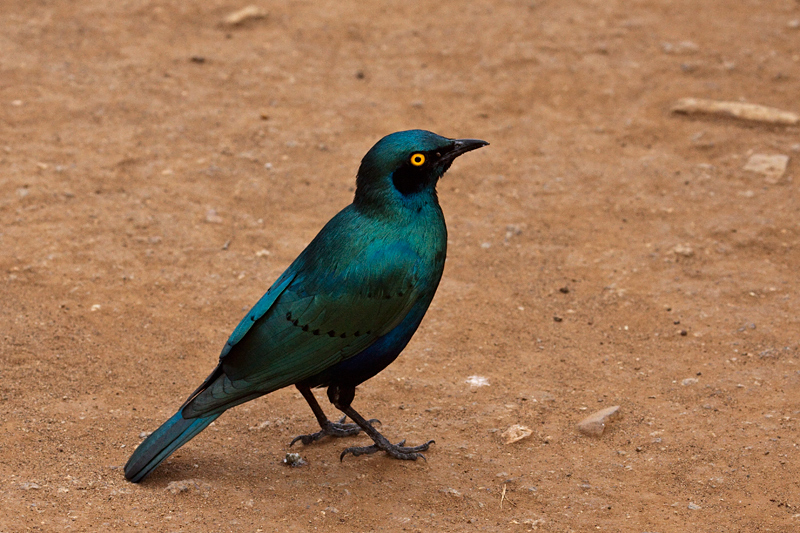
(317,331)
(385,296)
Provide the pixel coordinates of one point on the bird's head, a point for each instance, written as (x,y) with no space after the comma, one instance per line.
(405,164)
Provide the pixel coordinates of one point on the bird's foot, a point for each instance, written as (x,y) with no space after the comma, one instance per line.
(333,429)
(398,451)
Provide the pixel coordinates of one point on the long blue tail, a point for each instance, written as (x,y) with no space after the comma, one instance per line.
(172,434)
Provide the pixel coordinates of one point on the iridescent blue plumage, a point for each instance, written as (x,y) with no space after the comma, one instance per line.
(344,309)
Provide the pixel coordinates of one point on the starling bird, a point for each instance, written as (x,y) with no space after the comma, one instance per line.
(343,310)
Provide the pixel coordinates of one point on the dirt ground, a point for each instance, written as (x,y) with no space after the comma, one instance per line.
(159,169)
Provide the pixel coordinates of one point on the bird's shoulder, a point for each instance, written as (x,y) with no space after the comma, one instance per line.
(358,253)
(357,266)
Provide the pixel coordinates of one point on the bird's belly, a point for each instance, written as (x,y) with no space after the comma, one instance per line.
(376,357)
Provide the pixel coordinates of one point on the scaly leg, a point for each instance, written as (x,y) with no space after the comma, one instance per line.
(341,397)
(334,429)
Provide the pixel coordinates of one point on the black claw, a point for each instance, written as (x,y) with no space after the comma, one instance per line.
(398,451)
(359,450)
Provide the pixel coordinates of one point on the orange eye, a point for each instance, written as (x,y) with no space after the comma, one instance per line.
(417,160)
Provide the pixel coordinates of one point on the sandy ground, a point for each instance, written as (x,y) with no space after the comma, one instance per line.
(159,169)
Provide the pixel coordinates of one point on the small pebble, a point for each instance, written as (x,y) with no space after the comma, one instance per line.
(773,167)
(516,433)
(594,424)
(683,47)
(477,381)
(694,507)
(184,485)
(688,381)
(294,460)
(212,217)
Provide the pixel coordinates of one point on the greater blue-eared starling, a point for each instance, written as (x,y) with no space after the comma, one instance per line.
(343,310)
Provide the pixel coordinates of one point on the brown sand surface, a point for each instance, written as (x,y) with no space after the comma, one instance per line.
(159,169)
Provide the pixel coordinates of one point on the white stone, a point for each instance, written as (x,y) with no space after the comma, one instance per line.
(516,433)
(771,166)
(594,424)
(477,381)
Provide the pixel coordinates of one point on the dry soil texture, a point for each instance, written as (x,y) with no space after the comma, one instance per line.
(159,169)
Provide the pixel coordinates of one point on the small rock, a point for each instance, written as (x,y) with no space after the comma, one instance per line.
(294,460)
(771,166)
(513,230)
(184,485)
(694,506)
(688,381)
(477,381)
(516,433)
(262,425)
(451,492)
(534,523)
(29,486)
(794,24)
(262,253)
(594,424)
(212,217)
(241,16)
(684,250)
(683,47)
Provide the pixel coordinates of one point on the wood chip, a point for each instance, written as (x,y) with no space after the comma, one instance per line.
(594,424)
(243,15)
(737,110)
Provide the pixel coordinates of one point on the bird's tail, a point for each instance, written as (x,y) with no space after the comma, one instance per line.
(172,434)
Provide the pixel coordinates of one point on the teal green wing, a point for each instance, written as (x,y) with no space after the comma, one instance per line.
(311,319)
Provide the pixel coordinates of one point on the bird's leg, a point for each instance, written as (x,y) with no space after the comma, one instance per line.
(341,398)
(334,429)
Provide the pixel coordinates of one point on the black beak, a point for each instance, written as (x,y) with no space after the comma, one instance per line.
(462,146)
